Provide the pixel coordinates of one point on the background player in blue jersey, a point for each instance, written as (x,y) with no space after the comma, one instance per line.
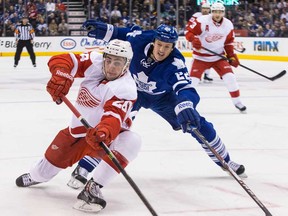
(163,85)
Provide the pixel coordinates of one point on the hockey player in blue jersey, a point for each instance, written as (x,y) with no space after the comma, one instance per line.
(163,85)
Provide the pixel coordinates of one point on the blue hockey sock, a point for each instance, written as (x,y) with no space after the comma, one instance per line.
(220,148)
(89,163)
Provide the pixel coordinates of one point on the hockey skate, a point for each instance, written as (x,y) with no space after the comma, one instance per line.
(237,168)
(90,199)
(207,78)
(78,178)
(241,107)
(25,180)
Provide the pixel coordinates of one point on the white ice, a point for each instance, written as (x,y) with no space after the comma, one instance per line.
(172,171)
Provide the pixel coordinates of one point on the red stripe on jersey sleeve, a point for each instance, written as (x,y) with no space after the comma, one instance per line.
(115,111)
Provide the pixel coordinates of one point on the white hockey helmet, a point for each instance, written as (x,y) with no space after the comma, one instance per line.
(119,48)
(205,4)
(217,6)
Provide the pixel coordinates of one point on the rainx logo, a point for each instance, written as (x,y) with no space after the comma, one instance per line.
(266,46)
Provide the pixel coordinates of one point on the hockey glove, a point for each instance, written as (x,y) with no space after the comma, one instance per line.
(99,30)
(187,116)
(59,84)
(231,56)
(233,60)
(96,135)
(196,43)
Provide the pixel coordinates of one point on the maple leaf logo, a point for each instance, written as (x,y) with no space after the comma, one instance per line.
(167,29)
(143,84)
(179,63)
(134,33)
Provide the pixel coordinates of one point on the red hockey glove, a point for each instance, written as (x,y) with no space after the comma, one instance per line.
(96,135)
(233,60)
(196,43)
(59,84)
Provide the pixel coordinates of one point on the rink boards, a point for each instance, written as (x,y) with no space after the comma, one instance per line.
(256,48)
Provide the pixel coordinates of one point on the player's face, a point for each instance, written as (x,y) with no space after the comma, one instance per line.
(161,50)
(113,66)
(217,15)
(205,11)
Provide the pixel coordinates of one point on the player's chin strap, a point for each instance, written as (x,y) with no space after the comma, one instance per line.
(233,174)
(112,157)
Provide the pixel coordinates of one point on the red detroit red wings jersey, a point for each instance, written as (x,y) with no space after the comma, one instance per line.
(213,36)
(99,99)
(192,19)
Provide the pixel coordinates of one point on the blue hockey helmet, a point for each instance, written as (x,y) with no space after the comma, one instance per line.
(166,34)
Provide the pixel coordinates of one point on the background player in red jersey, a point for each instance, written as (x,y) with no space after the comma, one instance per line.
(205,10)
(216,33)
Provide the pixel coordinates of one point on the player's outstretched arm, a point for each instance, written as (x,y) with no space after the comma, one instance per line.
(103,31)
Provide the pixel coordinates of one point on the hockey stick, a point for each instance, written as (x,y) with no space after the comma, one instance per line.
(112,157)
(282,73)
(233,174)
(240,51)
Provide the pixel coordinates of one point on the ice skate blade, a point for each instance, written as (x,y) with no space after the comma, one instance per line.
(207,81)
(81,205)
(241,108)
(243,112)
(242,175)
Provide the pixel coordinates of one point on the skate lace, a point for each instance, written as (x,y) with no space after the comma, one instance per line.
(239,105)
(27,180)
(94,190)
(233,165)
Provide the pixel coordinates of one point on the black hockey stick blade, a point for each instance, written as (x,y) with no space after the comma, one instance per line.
(277,76)
(241,51)
(282,73)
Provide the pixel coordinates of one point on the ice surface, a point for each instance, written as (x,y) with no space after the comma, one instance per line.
(172,170)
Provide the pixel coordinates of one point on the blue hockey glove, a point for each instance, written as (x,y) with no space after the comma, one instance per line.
(99,30)
(187,116)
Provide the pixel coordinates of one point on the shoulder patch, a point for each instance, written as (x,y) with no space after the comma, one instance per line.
(179,63)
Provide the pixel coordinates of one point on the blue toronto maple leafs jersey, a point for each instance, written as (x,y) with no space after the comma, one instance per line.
(155,79)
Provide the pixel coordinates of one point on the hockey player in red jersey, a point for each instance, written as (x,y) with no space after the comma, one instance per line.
(205,10)
(216,33)
(105,100)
